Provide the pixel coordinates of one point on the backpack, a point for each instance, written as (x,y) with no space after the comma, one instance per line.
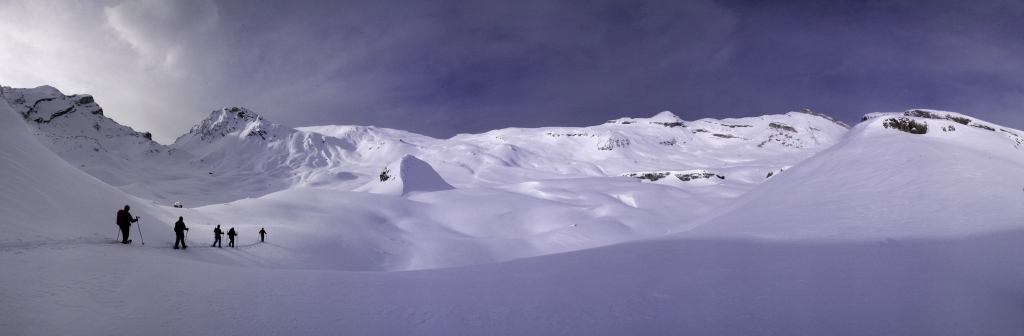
(120,214)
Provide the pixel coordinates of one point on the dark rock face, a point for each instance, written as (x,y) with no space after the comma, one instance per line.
(229,120)
(649,176)
(906,125)
(782,127)
(669,124)
(816,114)
(695,176)
(932,115)
(654,176)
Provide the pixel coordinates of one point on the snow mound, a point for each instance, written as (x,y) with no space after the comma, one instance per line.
(407,175)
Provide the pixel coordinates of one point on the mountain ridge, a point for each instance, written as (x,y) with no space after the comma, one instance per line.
(237,149)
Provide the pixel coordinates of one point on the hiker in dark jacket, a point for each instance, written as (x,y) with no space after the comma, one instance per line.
(231,237)
(179,233)
(216,236)
(125,220)
(262,233)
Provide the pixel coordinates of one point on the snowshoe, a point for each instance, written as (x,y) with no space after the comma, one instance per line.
(175,247)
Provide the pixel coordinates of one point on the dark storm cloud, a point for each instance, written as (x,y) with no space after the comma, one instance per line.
(471,66)
(447,67)
(444,68)
(850,58)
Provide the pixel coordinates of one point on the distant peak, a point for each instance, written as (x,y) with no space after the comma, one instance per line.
(230,120)
(44,103)
(227,113)
(233,116)
(665,116)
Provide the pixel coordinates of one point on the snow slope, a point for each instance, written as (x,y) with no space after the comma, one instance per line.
(880,182)
(48,201)
(75,128)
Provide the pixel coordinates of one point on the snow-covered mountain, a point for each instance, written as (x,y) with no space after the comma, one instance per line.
(75,128)
(237,138)
(908,223)
(913,174)
(235,153)
(44,198)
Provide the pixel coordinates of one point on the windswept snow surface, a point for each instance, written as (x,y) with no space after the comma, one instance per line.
(538,231)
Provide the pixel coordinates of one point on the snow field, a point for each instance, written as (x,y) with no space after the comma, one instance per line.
(690,286)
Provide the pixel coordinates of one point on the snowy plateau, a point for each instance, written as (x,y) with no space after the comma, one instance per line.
(908,223)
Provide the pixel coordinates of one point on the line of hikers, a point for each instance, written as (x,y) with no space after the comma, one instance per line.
(179,229)
(125,220)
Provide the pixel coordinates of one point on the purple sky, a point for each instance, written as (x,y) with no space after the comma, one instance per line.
(442,68)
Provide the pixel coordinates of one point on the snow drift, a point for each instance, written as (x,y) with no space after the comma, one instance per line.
(405,176)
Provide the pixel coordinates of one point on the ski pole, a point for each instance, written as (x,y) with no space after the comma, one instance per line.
(118,233)
(140,231)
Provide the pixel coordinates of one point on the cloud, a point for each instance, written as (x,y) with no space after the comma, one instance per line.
(437,68)
(162,32)
(147,63)
(41,39)
(475,65)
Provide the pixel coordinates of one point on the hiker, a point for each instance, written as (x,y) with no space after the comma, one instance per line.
(179,233)
(231,237)
(216,236)
(125,220)
(262,233)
